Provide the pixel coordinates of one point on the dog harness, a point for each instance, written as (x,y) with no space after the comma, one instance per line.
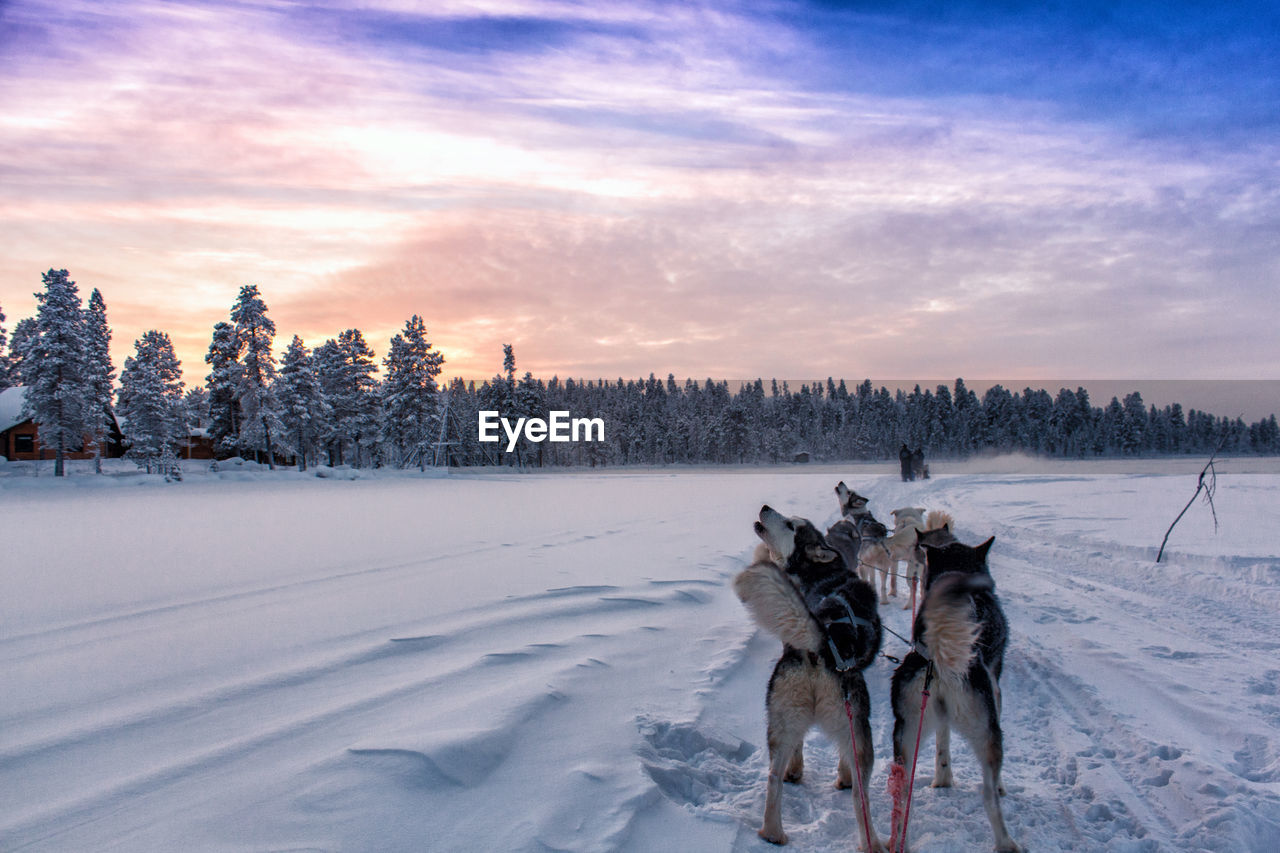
(851,619)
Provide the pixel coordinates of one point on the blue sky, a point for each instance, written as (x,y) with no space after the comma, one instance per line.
(708,189)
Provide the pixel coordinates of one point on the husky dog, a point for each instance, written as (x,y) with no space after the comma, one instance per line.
(871,554)
(908,515)
(961,633)
(937,530)
(852,504)
(938,518)
(844,537)
(903,546)
(863,544)
(904,461)
(800,590)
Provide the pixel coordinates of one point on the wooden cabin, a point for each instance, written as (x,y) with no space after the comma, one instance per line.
(20,437)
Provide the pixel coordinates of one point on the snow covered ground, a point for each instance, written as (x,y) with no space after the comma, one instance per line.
(494,661)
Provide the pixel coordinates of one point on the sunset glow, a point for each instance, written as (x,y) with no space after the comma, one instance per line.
(720,189)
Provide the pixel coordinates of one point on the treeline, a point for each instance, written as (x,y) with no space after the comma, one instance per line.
(326,404)
(656,422)
(333,405)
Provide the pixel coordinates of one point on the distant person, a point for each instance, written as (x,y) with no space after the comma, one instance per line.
(904,459)
(918,468)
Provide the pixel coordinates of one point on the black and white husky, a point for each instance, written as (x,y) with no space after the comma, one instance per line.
(960,636)
(799,589)
(861,540)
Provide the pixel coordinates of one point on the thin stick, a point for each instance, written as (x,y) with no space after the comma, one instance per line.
(1200,486)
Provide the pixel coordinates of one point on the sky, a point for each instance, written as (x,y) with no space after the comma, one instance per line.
(709,189)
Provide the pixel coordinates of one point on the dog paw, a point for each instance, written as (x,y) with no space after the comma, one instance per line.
(1011,847)
(779,837)
(843,784)
(794,777)
(944,782)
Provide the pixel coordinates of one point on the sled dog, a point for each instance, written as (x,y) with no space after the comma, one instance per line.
(961,631)
(852,504)
(799,590)
(908,515)
(937,530)
(902,543)
(872,554)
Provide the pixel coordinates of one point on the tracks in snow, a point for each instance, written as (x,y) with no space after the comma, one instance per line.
(502,659)
(1136,717)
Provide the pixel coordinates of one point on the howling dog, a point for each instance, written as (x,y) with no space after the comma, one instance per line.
(960,636)
(799,590)
(861,541)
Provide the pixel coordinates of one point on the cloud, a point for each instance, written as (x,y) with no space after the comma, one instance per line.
(709,190)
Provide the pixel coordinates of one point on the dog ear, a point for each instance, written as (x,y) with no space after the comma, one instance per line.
(819,554)
(984,548)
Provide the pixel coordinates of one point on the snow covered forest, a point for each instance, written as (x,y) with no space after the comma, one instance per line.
(331,404)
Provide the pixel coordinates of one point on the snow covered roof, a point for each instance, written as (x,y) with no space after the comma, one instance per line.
(11,407)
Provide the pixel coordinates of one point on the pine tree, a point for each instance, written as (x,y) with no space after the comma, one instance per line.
(499,395)
(54,368)
(151,403)
(195,405)
(1133,428)
(409,393)
(24,335)
(303,409)
(1111,426)
(4,357)
(346,369)
(99,373)
(509,363)
(222,382)
(255,332)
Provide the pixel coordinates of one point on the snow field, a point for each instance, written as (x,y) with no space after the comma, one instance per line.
(556,662)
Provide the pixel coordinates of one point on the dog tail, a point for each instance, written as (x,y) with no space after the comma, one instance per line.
(951,627)
(776,605)
(938,519)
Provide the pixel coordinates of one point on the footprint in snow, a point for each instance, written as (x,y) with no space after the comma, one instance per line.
(1257,761)
(1165,653)
(694,766)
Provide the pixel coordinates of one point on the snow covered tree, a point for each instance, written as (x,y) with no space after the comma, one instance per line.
(99,373)
(1111,425)
(509,362)
(151,403)
(24,334)
(409,393)
(1133,425)
(255,332)
(346,370)
(4,357)
(303,410)
(53,367)
(223,380)
(196,408)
